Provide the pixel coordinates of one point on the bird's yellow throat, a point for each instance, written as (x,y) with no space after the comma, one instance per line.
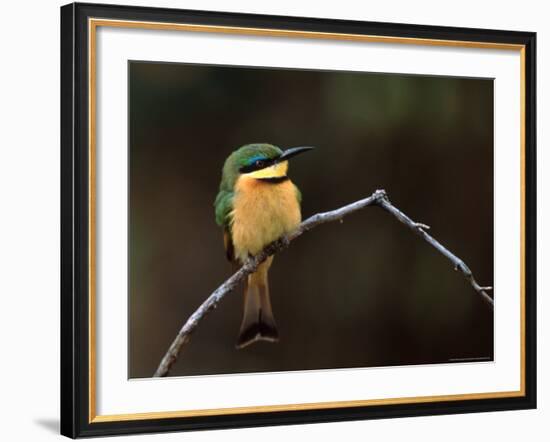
(276,171)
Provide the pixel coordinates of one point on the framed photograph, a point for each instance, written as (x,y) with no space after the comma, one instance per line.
(276,220)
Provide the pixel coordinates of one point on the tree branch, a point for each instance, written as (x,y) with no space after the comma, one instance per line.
(378,198)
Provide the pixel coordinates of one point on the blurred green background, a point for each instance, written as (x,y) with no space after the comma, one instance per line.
(363,293)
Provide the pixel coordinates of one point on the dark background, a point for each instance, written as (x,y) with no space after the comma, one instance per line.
(364,293)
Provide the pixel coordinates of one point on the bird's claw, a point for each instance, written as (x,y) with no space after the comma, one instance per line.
(283,242)
(279,244)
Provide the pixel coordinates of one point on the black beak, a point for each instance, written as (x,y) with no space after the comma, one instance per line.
(293,151)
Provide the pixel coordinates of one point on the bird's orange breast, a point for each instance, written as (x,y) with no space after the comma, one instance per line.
(262,213)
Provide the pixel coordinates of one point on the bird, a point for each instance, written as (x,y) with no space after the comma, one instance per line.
(257,204)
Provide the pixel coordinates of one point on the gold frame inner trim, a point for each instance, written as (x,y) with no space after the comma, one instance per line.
(92,28)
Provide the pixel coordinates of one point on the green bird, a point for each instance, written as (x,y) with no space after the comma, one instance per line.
(256,205)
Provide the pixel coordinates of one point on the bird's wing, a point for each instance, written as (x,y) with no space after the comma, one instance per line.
(223,208)
(228,245)
(298,195)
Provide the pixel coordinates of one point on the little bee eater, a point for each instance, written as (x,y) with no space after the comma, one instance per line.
(256,205)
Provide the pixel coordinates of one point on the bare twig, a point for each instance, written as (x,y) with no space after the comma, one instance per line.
(378,198)
(420,229)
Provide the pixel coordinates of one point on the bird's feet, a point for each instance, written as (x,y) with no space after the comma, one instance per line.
(278,245)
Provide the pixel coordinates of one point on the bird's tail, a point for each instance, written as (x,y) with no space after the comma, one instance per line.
(258,323)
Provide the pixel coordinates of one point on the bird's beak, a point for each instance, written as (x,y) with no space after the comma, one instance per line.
(293,151)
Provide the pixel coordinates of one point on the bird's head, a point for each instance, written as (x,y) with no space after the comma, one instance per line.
(263,161)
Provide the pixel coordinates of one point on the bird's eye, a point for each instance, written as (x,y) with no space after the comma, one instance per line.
(259,163)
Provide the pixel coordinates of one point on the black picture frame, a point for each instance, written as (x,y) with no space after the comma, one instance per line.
(75,219)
